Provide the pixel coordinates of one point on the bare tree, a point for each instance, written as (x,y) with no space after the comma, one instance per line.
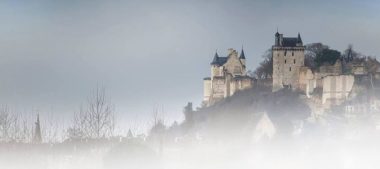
(7,121)
(25,131)
(157,132)
(13,126)
(96,119)
(265,69)
(52,129)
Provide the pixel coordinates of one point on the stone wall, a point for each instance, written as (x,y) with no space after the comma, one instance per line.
(287,62)
(206,89)
(307,81)
(336,89)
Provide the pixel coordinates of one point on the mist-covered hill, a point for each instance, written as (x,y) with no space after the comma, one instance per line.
(237,116)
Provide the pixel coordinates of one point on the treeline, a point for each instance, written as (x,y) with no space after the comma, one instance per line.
(95,120)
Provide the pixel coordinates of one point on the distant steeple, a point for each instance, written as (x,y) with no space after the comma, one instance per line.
(130,134)
(37,131)
(242,56)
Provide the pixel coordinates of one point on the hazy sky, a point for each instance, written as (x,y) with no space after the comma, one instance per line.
(153,53)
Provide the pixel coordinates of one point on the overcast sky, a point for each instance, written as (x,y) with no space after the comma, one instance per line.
(153,53)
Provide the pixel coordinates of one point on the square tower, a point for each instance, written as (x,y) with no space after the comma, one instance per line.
(288,54)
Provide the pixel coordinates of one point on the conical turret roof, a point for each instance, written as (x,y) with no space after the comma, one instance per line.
(216,59)
(299,39)
(242,55)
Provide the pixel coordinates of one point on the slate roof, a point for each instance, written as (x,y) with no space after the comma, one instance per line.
(289,42)
(242,56)
(219,60)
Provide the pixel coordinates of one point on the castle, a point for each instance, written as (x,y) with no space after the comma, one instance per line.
(329,85)
(228,75)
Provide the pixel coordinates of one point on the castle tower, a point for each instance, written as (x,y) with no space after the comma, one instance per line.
(288,55)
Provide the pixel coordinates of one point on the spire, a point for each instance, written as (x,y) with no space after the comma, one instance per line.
(37,133)
(129,135)
(299,40)
(242,56)
(216,58)
(277,34)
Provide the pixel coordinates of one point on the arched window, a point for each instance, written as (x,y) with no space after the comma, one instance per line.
(292,53)
(290,69)
(294,61)
(285,60)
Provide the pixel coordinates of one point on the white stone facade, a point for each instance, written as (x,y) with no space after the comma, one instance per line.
(336,88)
(228,75)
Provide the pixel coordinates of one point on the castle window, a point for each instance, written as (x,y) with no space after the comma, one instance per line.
(278,54)
(290,69)
(285,53)
(285,60)
(294,61)
(292,53)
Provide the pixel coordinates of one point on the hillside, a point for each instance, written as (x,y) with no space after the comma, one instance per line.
(238,115)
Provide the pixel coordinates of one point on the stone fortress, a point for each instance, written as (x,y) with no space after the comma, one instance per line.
(329,85)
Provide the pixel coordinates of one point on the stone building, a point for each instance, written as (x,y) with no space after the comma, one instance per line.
(288,55)
(228,75)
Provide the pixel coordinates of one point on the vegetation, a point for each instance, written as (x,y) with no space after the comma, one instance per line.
(327,56)
(265,69)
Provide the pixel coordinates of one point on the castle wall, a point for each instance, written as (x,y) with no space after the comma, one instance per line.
(216,71)
(307,81)
(240,84)
(218,87)
(206,89)
(336,88)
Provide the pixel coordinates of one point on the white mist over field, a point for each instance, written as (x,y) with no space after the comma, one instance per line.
(254,128)
(337,152)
